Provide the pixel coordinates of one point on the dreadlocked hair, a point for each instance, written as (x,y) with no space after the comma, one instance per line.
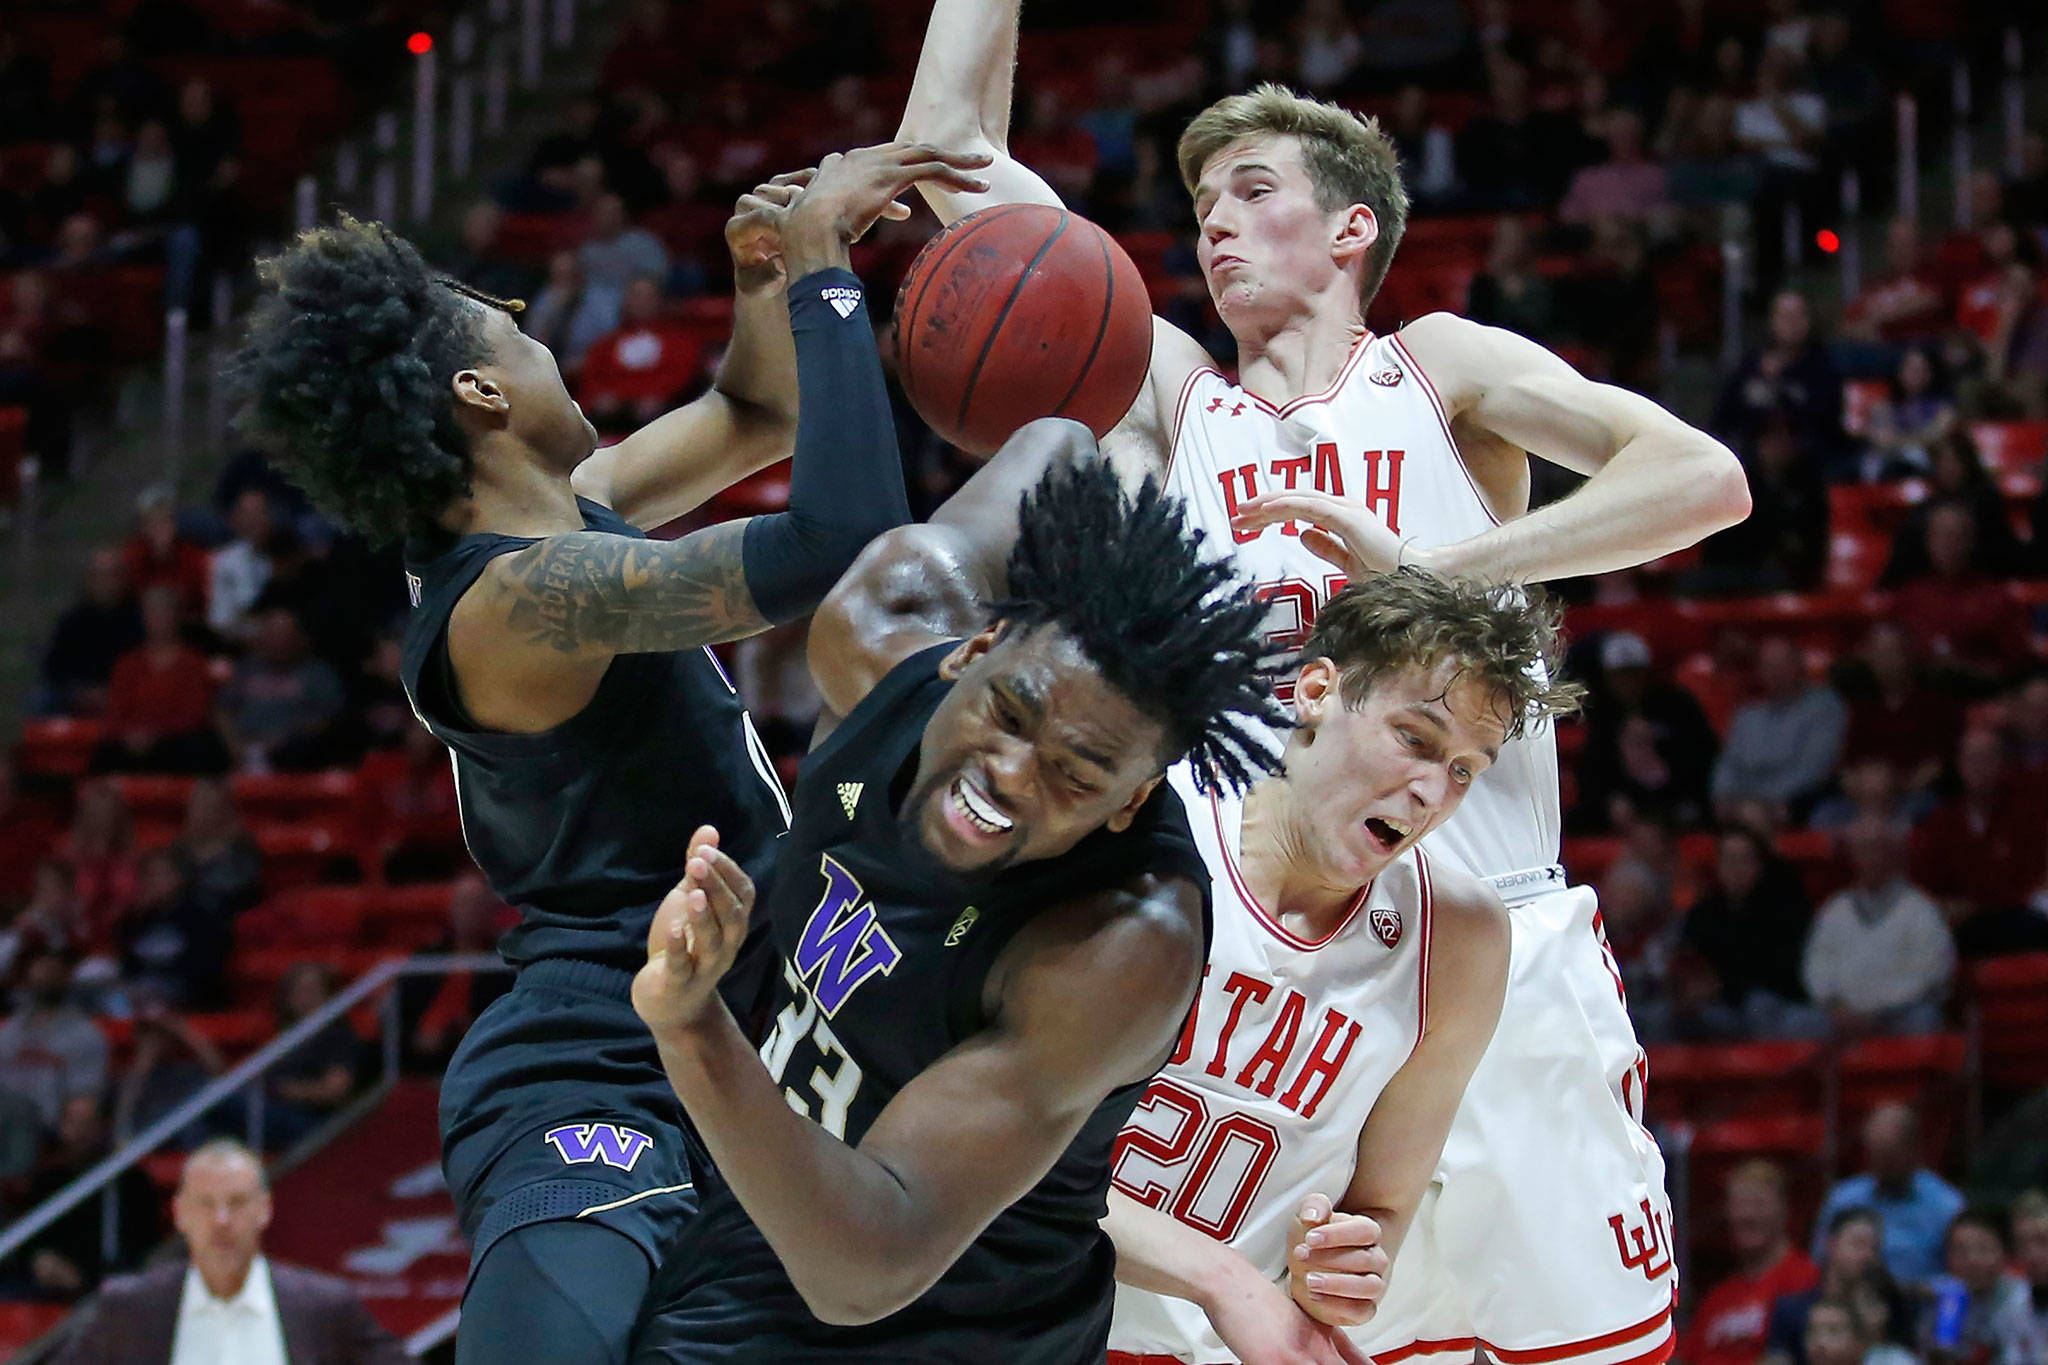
(345,371)
(1173,629)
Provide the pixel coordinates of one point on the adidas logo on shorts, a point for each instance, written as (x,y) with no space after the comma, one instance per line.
(842,299)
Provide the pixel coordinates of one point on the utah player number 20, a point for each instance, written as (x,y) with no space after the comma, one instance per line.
(1217,1165)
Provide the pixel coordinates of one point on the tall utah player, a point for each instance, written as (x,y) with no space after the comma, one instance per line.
(559,654)
(1353,982)
(1299,206)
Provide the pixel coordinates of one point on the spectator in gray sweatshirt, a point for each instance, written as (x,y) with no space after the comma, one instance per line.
(1782,747)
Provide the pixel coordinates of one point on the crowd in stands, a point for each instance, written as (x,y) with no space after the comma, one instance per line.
(1804,823)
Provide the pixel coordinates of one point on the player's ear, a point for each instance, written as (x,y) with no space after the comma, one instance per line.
(479,394)
(970,649)
(1356,233)
(1316,694)
(1128,812)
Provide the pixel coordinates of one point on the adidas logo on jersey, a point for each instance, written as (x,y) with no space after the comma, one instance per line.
(843,299)
(961,926)
(849,797)
(1386,926)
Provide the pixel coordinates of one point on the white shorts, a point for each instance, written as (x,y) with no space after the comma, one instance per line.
(1546,1235)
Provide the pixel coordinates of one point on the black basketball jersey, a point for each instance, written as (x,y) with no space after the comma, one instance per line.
(584,828)
(884,958)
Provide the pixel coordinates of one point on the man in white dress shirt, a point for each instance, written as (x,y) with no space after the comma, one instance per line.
(227,1305)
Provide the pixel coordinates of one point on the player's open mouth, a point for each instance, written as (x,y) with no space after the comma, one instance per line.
(980,812)
(1388,834)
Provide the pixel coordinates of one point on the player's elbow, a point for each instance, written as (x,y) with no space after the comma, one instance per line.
(1723,487)
(849,1300)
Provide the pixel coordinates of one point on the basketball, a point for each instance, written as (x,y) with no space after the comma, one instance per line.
(1018,312)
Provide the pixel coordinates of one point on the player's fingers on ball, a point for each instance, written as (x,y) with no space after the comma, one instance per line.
(896,211)
(946,173)
(1314,1209)
(796,178)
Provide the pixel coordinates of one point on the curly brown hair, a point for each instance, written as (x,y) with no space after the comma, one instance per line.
(1506,639)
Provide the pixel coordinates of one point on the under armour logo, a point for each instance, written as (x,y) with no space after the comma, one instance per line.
(961,926)
(1236,409)
(579,1144)
(849,797)
(842,298)
(1386,925)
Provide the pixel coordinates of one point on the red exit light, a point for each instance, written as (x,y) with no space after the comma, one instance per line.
(420,44)
(1827,241)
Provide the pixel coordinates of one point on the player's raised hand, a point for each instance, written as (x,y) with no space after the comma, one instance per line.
(695,936)
(1336,1267)
(853,189)
(754,232)
(1345,533)
(1262,1326)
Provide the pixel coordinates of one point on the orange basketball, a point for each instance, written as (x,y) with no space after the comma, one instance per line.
(1018,312)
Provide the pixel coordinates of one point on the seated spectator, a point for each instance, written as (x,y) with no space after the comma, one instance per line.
(1870,790)
(1729,1324)
(222,865)
(1969,622)
(441,1010)
(1997,1318)
(1981,298)
(317,1077)
(27,836)
(51,921)
(1915,1204)
(1628,185)
(160,703)
(1984,850)
(1748,929)
(279,708)
(2026,725)
(68,1258)
(2016,357)
(1852,1271)
(1326,45)
(2030,1251)
(1909,421)
(1893,713)
(50,1050)
(158,554)
(241,567)
(1508,156)
(1783,545)
(478,263)
(566,317)
(1782,747)
(1842,1334)
(97,629)
(1790,377)
(171,1063)
(1879,959)
(1905,302)
(616,253)
(1641,925)
(408,822)
(101,847)
(633,375)
(1427,153)
(229,1301)
(1510,292)
(1614,306)
(1648,744)
(1956,475)
(172,946)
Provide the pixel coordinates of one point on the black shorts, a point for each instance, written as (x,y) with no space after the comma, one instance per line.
(556,1106)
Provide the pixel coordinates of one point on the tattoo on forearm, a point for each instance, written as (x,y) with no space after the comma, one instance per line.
(589,590)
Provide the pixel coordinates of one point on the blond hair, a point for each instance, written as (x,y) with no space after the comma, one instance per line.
(1759,1173)
(1349,157)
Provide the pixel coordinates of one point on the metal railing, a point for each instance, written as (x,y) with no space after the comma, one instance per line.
(102,1179)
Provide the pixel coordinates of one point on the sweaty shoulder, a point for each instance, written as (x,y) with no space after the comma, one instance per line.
(1463,358)
(1142,442)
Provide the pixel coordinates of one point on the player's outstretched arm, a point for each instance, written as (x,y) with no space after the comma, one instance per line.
(960,97)
(1254,1317)
(1091,996)
(1339,1263)
(746,421)
(1655,485)
(921,584)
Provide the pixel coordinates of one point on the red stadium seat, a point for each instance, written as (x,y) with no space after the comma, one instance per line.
(317,915)
(58,746)
(1588,858)
(296,855)
(413,916)
(153,796)
(2011,447)
(301,798)
(234,1031)
(1702,1083)
(13,445)
(2009,998)
(22,1323)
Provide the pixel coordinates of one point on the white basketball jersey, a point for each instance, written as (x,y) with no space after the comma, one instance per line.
(1379,436)
(1285,1052)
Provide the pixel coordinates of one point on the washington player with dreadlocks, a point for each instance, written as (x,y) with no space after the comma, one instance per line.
(559,653)
(991,916)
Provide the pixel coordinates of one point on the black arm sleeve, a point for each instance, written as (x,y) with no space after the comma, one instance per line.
(846,482)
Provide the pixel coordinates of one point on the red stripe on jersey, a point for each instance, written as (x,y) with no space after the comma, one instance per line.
(1259,912)
(1443,420)
(1549,1355)
(1428,921)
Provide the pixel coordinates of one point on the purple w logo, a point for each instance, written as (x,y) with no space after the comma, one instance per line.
(582,1143)
(842,944)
